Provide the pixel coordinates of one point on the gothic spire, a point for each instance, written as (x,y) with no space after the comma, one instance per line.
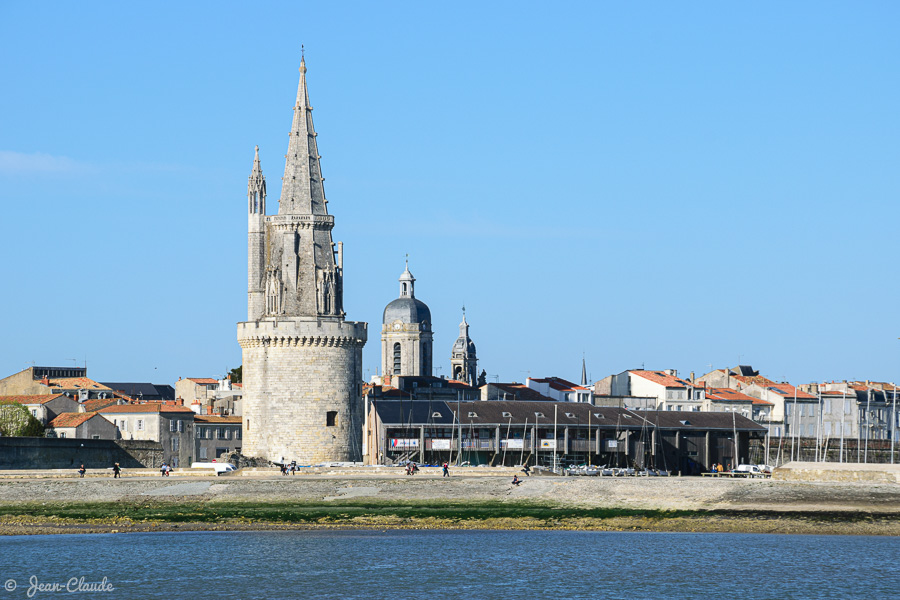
(256,187)
(302,191)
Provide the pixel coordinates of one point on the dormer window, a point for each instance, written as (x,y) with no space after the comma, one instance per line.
(539,415)
(570,415)
(473,415)
(598,415)
(436,415)
(507,415)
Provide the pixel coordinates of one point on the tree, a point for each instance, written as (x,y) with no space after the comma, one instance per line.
(16,421)
(237,374)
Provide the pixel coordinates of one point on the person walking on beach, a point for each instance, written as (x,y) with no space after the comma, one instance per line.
(81,471)
(446,470)
(116,471)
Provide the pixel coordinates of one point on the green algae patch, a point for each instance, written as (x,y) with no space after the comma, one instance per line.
(194,514)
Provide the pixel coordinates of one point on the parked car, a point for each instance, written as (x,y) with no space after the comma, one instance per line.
(220,467)
(748,471)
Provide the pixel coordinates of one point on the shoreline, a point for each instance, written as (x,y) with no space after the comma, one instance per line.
(881,525)
(69,506)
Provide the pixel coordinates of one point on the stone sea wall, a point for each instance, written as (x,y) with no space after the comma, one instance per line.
(68,453)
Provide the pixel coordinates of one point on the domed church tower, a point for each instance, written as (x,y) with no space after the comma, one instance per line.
(462,358)
(406,336)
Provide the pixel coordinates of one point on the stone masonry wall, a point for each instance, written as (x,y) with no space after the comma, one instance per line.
(295,372)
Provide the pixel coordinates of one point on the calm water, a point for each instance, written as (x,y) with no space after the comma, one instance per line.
(450,564)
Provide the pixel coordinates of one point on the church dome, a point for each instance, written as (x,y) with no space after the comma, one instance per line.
(407,310)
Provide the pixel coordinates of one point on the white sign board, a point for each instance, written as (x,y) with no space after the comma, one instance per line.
(548,444)
(404,443)
(440,444)
(513,444)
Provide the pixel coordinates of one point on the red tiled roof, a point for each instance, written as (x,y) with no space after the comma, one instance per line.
(31,399)
(663,379)
(757,379)
(521,392)
(212,419)
(786,390)
(71,419)
(99,403)
(149,407)
(203,380)
(453,383)
(728,394)
(72,383)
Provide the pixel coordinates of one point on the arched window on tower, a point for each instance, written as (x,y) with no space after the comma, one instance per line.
(396,358)
(404,289)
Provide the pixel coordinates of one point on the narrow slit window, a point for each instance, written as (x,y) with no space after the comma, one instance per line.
(331,418)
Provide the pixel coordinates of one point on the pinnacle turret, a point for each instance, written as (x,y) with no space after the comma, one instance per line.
(302,191)
(256,188)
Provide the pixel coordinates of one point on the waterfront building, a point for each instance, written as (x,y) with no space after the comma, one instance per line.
(44,407)
(406,335)
(511,391)
(171,425)
(670,391)
(81,425)
(302,360)
(556,433)
(560,390)
(216,435)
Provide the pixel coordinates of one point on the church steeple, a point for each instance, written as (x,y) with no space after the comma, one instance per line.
(407,283)
(302,191)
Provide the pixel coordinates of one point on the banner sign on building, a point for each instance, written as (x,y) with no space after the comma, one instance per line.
(440,444)
(404,442)
(548,444)
(513,444)
(612,445)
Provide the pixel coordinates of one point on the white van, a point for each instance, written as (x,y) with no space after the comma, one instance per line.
(220,467)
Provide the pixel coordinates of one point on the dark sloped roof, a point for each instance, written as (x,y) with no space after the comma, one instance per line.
(486,413)
(148,391)
(418,412)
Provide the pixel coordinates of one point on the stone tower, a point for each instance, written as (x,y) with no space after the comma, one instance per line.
(302,361)
(406,336)
(462,358)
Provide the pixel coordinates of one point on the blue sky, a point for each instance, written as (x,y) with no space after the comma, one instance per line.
(674,185)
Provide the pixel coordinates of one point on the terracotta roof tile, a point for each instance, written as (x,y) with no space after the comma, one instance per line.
(149,407)
(31,399)
(663,379)
(71,383)
(71,419)
(203,380)
(213,419)
(728,394)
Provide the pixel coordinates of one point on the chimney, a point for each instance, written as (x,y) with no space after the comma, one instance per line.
(179,402)
(45,380)
(692,377)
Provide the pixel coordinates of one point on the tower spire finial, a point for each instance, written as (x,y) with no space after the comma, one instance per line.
(302,59)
